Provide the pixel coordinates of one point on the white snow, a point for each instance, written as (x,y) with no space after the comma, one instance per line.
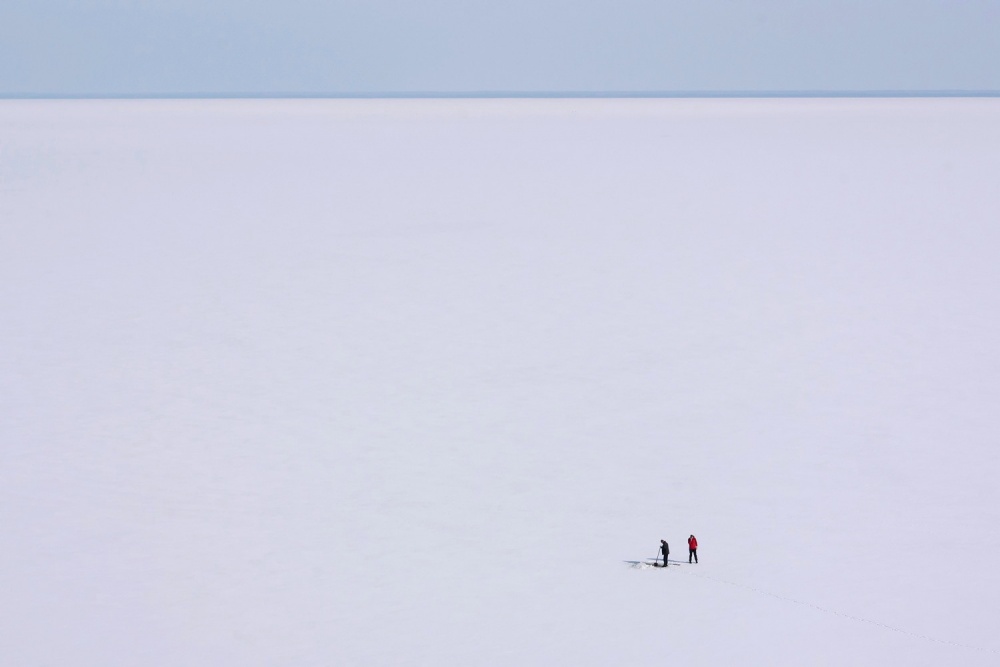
(408,382)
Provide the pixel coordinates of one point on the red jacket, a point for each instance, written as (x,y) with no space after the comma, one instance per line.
(692,542)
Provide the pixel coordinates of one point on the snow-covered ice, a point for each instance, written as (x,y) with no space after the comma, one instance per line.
(390,382)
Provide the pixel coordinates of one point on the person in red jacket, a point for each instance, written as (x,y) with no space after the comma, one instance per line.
(693,549)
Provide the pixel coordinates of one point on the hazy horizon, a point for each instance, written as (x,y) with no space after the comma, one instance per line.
(514,94)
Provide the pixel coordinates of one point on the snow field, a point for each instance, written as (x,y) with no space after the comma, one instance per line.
(408,382)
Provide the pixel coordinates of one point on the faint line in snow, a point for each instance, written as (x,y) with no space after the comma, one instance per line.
(842,614)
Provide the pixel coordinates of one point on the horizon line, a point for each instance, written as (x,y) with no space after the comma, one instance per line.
(693,94)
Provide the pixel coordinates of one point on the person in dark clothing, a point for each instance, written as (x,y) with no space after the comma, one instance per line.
(693,549)
(665,550)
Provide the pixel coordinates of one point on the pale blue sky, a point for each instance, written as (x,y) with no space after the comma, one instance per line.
(136,47)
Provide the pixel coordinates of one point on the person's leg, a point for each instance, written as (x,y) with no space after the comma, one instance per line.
(695,555)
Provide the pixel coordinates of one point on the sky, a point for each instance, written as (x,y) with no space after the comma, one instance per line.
(304,47)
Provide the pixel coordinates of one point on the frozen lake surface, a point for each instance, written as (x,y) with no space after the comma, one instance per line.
(391,382)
